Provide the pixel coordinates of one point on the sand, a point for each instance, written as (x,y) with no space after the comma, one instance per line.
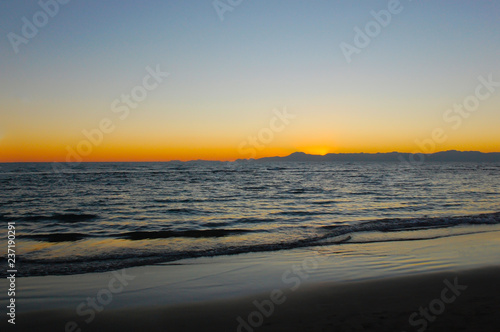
(375,305)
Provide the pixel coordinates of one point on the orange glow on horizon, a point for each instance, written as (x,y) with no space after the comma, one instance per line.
(61,153)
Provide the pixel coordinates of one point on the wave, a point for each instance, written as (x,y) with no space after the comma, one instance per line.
(412,224)
(324,202)
(255,188)
(60,217)
(185,211)
(57,237)
(208,233)
(324,235)
(415,238)
(254,220)
(304,213)
(139,235)
(215,171)
(115,261)
(177,200)
(244,220)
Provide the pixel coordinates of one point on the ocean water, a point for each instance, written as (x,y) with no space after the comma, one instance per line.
(97,217)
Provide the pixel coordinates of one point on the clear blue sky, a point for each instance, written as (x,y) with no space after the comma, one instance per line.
(227,76)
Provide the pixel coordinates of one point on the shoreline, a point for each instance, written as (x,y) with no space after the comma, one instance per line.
(220,277)
(335,287)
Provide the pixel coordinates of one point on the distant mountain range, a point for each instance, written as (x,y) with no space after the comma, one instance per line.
(446,156)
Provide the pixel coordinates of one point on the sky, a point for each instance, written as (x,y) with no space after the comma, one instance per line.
(222,80)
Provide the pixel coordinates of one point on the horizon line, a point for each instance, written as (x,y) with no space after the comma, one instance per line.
(241,159)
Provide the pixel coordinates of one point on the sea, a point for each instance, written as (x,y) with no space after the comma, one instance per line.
(98,217)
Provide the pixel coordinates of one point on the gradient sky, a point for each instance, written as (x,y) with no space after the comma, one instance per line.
(228,77)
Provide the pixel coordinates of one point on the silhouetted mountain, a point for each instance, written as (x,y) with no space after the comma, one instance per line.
(446,156)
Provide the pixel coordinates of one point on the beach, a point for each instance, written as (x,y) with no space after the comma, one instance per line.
(298,290)
(381,305)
